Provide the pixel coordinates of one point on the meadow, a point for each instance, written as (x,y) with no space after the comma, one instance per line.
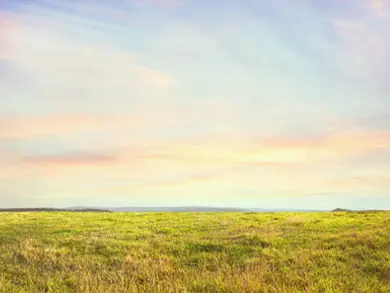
(195,252)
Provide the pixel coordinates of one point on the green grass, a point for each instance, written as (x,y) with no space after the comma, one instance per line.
(194,252)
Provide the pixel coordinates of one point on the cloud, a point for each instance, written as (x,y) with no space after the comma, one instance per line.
(375,184)
(213,151)
(151,77)
(168,3)
(381,8)
(72,159)
(359,33)
(63,72)
(363,54)
(375,160)
(379,122)
(148,123)
(35,126)
(7,29)
(213,167)
(58,60)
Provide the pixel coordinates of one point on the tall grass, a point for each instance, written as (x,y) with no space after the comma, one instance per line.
(194,252)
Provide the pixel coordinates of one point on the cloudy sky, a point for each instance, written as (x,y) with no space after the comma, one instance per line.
(246,103)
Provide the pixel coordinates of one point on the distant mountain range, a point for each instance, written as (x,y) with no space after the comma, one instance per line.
(153,209)
(196,209)
(53,210)
(176,209)
(193,209)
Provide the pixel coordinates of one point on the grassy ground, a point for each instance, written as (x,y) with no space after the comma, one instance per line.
(190,252)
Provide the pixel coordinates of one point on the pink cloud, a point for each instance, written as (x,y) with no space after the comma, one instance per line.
(228,149)
(217,165)
(215,160)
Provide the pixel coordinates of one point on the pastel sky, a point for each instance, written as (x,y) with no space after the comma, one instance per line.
(244,103)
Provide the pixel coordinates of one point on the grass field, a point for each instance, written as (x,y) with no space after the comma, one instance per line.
(194,252)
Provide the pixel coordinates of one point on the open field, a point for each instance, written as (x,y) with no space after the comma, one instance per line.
(194,252)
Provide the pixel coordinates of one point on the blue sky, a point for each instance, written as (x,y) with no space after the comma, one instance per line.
(178,102)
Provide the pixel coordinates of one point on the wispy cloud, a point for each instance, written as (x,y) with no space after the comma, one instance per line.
(7,29)
(71,159)
(34,126)
(373,183)
(226,152)
(381,8)
(60,60)
(143,3)
(361,36)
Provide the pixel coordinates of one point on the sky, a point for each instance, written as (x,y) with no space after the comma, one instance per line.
(249,103)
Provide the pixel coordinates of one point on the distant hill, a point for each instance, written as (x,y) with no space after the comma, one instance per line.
(193,209)
(19,210)
(340,210)
(357,211)
(177,209)
(284,210)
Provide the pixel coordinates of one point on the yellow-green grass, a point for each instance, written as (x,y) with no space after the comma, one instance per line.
(195,252)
